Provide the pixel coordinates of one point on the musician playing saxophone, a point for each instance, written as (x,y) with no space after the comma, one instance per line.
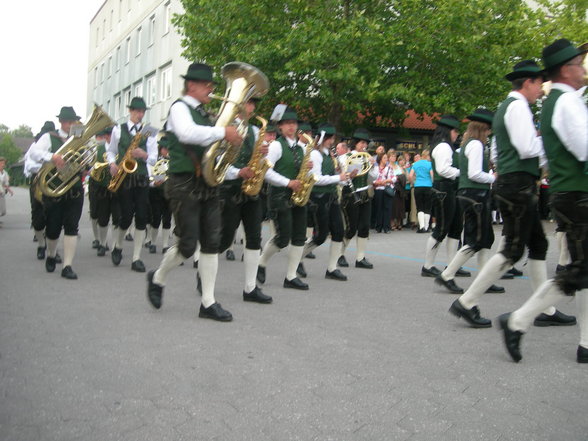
(289,220)
(237,207)
(133,194)
(62,212)
(195,205)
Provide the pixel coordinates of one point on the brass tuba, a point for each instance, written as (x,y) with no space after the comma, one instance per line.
(78,153)
(258,163)
(99,169)
(307,179)
(360,161)
(243,82)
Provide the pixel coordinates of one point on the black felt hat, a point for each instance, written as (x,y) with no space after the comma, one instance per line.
(199,72)
(448,121)
(525,69)
(482,115)
(138,103)
(68,114)
(560,51)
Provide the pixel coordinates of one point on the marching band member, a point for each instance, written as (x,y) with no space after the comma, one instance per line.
(564,127)
(61,212)
(357,207)
(195,205)
(238,207)
(133,194)
(159,212)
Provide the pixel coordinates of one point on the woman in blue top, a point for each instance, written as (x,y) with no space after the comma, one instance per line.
(421,175)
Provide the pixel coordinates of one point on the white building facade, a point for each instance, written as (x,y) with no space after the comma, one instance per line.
(135,51)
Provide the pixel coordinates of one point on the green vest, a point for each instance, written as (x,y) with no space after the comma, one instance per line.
(566,173)
(454,163)
(464,181)
(123,144)
(508,157)
(289,164)
(244,156)
(327,169)
(56,142)
(179,161)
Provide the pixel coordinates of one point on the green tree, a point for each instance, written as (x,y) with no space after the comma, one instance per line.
(368,61)
(9,150)
(4,128)
(23,131)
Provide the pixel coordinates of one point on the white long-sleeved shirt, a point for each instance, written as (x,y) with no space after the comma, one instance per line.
(443,156)
(112,147)
(40,151)
(30,166)
(317,168)
(273,155)
(474,151)
(570,121)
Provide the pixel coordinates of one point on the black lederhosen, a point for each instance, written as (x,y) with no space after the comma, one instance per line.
(197,213)
(516,195)
(571,211)
(133,199)
(289,220)
(357,214)
(237,207)
(447,211)
(326,217)
(64,212)
(37,211)
(102,204)
(478,231)
(159,208)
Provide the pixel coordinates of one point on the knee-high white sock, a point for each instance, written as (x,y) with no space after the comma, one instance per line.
(501,243)
(334,253)
(462,256)
(452,247)
(421,219)
(164,237)
(490,273)
(344,245)
(103,235)
(483,257)
(154,234)
(548,294)
(538,276)
(309,232)
(272,228)
(582,315)
(250,262)
(196,252)
(119,239)
(207,268)
(171,259)
(95,228)
(52,247)
(431,252)
(69,249)
(270,248)
(309,246)
(361,247)
(564,255)
(40,235)
(427,220)
(294,257)
(138,240)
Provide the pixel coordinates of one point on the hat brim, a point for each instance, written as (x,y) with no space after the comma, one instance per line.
(481,119)
(187,78)
(525,74)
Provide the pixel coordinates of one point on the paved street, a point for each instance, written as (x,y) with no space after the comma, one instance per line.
(374,358)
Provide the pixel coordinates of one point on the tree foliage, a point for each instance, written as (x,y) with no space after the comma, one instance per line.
(9,150)
(23,131)
(368,61)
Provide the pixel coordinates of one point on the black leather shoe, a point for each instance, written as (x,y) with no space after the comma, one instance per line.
(559,268)
(335,275)
(342,262)
(472,316)
(363,263)
(462,273)
(138,266)
(449,284)
(256,296)
(295,283)
(215,312)
(230,255)
(301,271)
(116,256)
(430,272)
(50,264)
(152,249)
(68,273)
(507,276)
(101,251)
(35,239)
(195,264)
(310,255)
(199,284)
(129,237)
(164,250)
(515,272)
(41,252)
(147,244)
(512,339)
(557,319)
(58,258)
(261,274)
(582,354)
(495,289)
(154,291)
(95,244)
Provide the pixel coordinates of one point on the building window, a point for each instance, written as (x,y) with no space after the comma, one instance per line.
(166,84)
(117,59)
(127,97)
(111,18)
(151,30)
(119,10)
(128,50)
(108,110)
(139,89)
(102,72)
(168,17)
(139,34)
(117,105)
(97,35)
(151,96)
(104,28)
(96,76)
(109,67)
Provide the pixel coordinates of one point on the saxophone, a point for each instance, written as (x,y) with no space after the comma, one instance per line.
(300,197)
(128,165)
(258,164)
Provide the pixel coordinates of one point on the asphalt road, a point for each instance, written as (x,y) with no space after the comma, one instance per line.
(374,358)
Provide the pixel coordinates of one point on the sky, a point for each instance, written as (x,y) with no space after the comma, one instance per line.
(44,59)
